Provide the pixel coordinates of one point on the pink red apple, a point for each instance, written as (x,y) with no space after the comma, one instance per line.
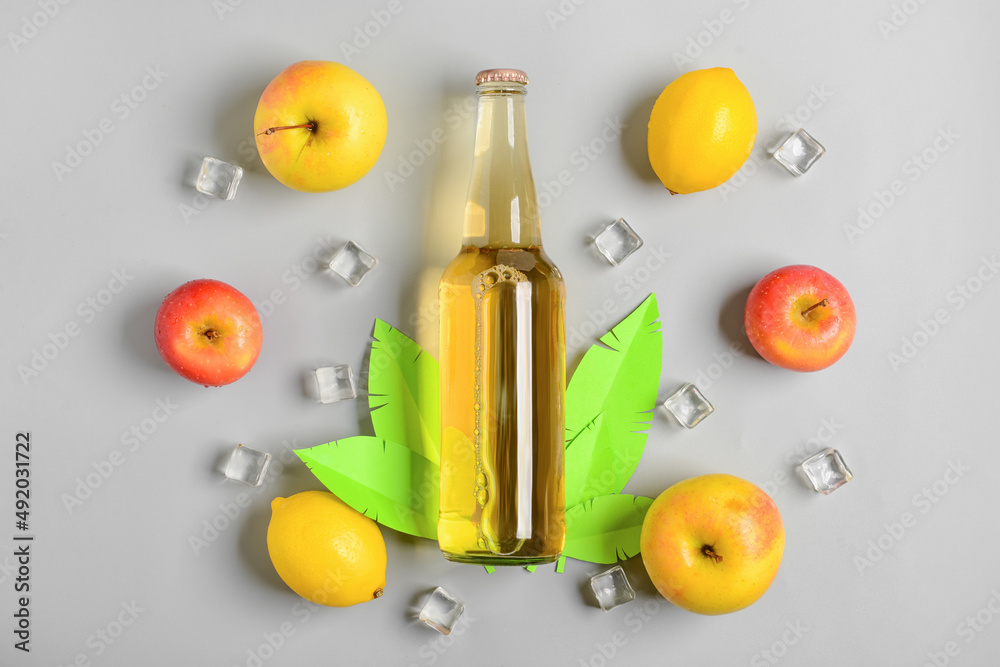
(712,544)
(208,332)
(800,317)
(319,126)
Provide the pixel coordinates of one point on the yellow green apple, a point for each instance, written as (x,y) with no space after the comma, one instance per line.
(712,544)
(319,126)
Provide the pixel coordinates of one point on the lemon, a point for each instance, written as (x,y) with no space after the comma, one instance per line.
(701,130)
(326,551)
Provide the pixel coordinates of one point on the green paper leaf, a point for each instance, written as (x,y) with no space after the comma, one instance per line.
(608,403)
(403,392)
(590,463)
(393,478)
(605,529)
(561,564)
(390,483)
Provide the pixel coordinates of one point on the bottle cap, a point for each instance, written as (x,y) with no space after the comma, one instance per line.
(490,75)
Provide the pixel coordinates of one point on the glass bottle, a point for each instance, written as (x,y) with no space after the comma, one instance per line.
(503,355)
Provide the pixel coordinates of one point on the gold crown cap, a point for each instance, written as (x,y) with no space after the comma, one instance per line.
(490,75)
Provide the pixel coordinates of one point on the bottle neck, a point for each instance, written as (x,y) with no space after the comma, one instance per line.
(502,207)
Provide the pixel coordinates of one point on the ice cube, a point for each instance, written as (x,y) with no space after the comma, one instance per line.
(334,383)
(826,471)
(617,241)
(352,263)
(799,152)
(218,179)
(612,588)
(688,405)
(247,465)
(442,611)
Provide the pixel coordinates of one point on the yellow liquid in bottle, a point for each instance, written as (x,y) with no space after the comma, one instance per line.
(503,372)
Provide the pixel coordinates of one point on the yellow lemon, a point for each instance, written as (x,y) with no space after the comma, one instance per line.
(701,130)
(326,551)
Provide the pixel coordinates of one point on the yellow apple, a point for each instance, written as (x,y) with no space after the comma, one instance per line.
(319,126)
(712,544)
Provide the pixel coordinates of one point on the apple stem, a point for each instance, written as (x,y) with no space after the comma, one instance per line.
(710,552)
(271,130)
(824,303)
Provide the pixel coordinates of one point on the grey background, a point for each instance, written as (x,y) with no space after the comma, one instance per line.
(876,82)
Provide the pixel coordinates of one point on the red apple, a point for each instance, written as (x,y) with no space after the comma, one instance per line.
(208,332)
(800,317)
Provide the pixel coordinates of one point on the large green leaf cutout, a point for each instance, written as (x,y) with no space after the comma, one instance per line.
(589,462)
(393,477)
(403,392)
(605,529)
(608,404)
(386,481)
